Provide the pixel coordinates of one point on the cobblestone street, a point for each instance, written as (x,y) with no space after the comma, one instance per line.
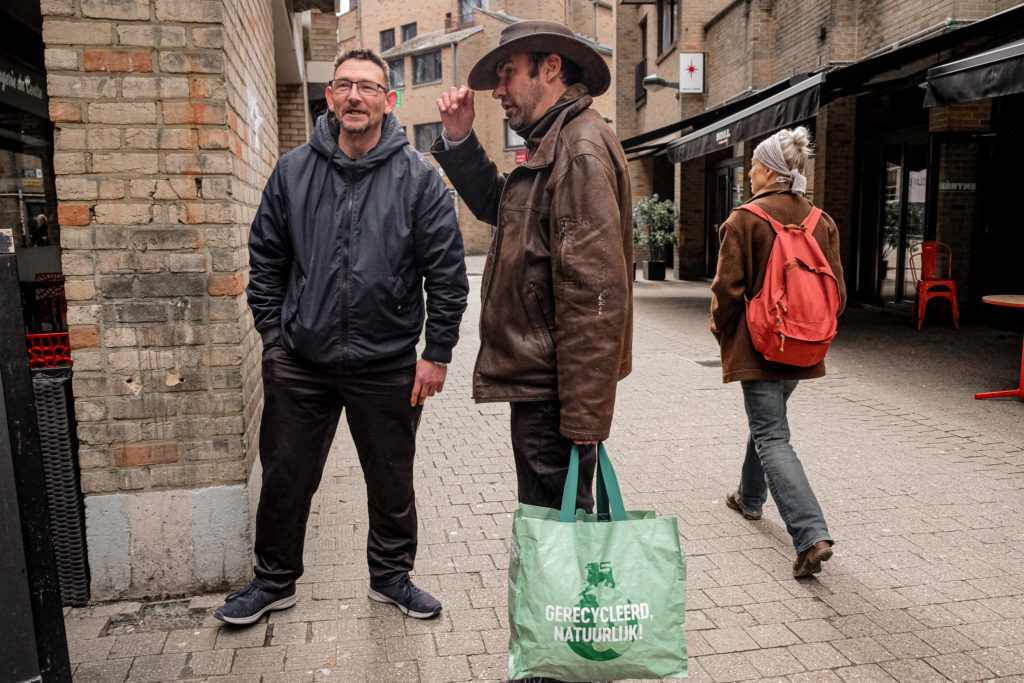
(922,487)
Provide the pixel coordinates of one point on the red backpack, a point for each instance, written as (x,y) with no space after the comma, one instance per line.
(792,320)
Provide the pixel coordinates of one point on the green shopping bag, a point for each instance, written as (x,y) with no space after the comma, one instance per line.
(595,597)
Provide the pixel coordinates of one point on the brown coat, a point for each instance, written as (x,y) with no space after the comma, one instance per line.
(557,314)
(746,242)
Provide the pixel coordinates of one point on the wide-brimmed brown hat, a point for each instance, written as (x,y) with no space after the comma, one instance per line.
(538,35)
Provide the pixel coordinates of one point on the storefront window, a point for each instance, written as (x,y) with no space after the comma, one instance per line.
(28,208)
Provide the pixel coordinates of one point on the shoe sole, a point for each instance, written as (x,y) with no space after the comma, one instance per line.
(731,503)
(380,597)
(283,603)
(813,567)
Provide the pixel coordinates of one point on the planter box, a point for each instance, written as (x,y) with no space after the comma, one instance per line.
(654,270)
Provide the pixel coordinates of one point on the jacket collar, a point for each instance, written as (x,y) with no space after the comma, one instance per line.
(542,136)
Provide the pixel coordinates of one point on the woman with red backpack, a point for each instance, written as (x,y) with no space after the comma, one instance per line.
(777,291)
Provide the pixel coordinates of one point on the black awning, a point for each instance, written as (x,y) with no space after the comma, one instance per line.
(796,103)
(994,73)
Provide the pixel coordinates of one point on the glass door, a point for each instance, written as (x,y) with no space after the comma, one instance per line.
(726,194)
(905,174)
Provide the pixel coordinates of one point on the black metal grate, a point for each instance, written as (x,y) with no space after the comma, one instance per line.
(51,387)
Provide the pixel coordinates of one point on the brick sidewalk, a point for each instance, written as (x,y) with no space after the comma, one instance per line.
(921,486)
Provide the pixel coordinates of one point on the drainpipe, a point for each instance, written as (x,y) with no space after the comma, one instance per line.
(566,12)
(359,21)
(455,76)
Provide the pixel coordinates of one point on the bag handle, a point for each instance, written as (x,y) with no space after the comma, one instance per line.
(609,497)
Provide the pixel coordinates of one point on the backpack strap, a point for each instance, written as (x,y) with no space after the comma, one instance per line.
(763,215)
(811,221)
(808,223)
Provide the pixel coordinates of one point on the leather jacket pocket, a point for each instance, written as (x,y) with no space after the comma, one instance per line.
(542,318)
(582,251)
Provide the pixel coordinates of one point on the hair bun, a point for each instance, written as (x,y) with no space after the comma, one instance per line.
(800,137)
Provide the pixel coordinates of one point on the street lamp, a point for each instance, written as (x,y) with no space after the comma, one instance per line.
(656,82)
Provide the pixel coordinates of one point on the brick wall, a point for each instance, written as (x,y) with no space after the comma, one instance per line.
(731,42)
(690,250)
(966,117)
(833,179)
(323,37)
(293,119)
(882,22)
(165,128)
(801,38)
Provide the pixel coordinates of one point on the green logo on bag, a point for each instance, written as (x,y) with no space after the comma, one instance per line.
(605,623)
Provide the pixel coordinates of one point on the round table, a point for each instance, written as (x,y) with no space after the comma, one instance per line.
(1013,301)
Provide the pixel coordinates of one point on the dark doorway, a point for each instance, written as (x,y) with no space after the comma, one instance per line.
(999,238)
(726,193)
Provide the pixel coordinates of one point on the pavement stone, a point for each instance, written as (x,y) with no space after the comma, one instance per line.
(921,486)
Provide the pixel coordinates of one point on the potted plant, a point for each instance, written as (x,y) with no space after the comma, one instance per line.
(654,228)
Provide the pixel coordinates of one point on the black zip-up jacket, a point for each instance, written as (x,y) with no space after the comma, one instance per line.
(340,251)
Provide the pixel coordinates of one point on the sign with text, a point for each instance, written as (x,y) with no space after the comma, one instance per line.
(691,72)
(23,87)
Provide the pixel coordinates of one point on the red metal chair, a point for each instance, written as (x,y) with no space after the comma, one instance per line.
(931,264)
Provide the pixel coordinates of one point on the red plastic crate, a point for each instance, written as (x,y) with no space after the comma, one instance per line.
(49,350)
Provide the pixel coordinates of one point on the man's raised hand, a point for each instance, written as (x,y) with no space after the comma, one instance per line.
(457,112)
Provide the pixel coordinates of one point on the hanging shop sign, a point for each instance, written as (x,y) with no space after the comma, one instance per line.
(691,72)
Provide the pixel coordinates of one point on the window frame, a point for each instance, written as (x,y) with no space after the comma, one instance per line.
(390,33)
(436,128)
(440,67)
(404,31)
(400,61)
(667,42)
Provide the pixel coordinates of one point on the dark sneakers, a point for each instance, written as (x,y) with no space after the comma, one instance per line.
(417,603)
(249,604)
(734,501)
(809,561)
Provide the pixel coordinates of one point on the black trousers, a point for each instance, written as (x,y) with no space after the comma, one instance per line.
(542,457)
(301,410)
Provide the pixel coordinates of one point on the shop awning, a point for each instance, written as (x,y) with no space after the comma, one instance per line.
(994,73)
(795,103)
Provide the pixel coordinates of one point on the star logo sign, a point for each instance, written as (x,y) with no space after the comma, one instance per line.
(692,69)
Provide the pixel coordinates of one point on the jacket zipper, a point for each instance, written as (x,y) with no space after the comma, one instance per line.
(345,265)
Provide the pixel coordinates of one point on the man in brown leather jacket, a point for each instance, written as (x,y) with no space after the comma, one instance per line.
(557,316)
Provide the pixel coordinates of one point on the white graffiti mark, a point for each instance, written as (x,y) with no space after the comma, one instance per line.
(255,121)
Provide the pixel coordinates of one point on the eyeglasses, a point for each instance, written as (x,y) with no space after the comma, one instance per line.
(366,88)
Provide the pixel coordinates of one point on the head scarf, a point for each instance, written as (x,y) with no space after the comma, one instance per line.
(770,154)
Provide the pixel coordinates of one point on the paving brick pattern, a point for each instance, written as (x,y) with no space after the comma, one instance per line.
(921,486)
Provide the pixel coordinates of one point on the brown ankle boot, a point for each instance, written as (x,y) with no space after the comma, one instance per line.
(809,561)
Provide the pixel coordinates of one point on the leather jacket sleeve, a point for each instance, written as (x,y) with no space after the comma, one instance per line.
(270,257)
(468,166)
(592,291)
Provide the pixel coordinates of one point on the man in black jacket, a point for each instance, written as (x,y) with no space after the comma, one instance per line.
(351,227)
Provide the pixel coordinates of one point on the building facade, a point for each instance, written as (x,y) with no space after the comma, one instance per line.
(142,133)
(896,162)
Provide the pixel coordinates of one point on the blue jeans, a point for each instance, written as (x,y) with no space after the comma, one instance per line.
(771,464)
